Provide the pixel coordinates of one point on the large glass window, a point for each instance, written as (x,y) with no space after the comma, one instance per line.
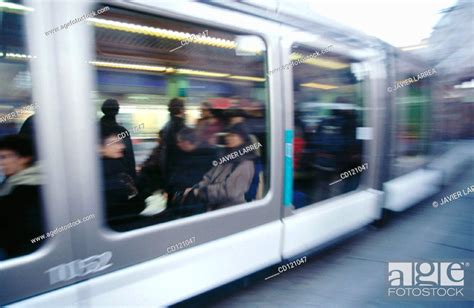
(328,124)
(21,227)
(412,118)
(183,115)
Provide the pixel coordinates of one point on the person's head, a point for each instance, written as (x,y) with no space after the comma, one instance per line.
(206,111)
(188,139)
(111,146)
(176,107)
(110,107)
(16,154)
(236,136)
(235,116)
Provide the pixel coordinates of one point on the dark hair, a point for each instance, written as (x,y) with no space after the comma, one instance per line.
(188,134)
(110,107)
(239,129)
(107,131)
(22,145)
(176,106)
(235,112)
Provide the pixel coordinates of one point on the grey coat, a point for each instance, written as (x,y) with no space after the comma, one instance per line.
(226,184)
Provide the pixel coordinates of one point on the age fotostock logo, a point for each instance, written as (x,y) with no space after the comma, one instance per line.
(426,279)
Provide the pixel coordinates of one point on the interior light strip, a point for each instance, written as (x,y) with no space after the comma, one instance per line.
(163,69)
(15,7)
(319,86)
(200,73)
(247,78)
(321,62)
(17,56)
(163,33)
(129,66)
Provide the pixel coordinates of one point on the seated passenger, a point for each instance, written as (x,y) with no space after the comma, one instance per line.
(20,205)
(228,181)
(121,195)
(150,180)
(192,161)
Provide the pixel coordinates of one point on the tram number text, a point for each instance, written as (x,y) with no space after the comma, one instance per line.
(79,268)
(292,264)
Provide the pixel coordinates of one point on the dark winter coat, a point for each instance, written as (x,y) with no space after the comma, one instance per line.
(169,148)
(129,156)
(21,213)
(191,167)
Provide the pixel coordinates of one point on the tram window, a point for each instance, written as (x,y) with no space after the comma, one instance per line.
(21,206)
(412,131)
(328,117)
(183,115)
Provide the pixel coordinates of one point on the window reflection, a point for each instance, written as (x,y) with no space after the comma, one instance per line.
(412,127)
(20,173)
(328,113)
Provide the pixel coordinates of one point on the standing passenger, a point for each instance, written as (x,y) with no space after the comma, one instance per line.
(111,108)
(168,135)
(121,194)
(208,125)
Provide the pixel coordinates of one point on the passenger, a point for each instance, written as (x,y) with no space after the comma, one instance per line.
(121,195)
(209,124)
(192,162)
(28,127)
(150,178)
(227,182)
(333,152)
(20,195)
(255,121)
(168,135)
(111,108)
(235,116)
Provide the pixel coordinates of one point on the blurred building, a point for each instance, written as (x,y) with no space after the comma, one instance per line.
(451,43)
(451,52)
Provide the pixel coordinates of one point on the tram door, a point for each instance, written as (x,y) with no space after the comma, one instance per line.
(330,144)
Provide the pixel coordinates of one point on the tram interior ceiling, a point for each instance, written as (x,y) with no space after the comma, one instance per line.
(165,153)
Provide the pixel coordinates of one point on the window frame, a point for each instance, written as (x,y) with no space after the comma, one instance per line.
(152,241)
(46,83)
